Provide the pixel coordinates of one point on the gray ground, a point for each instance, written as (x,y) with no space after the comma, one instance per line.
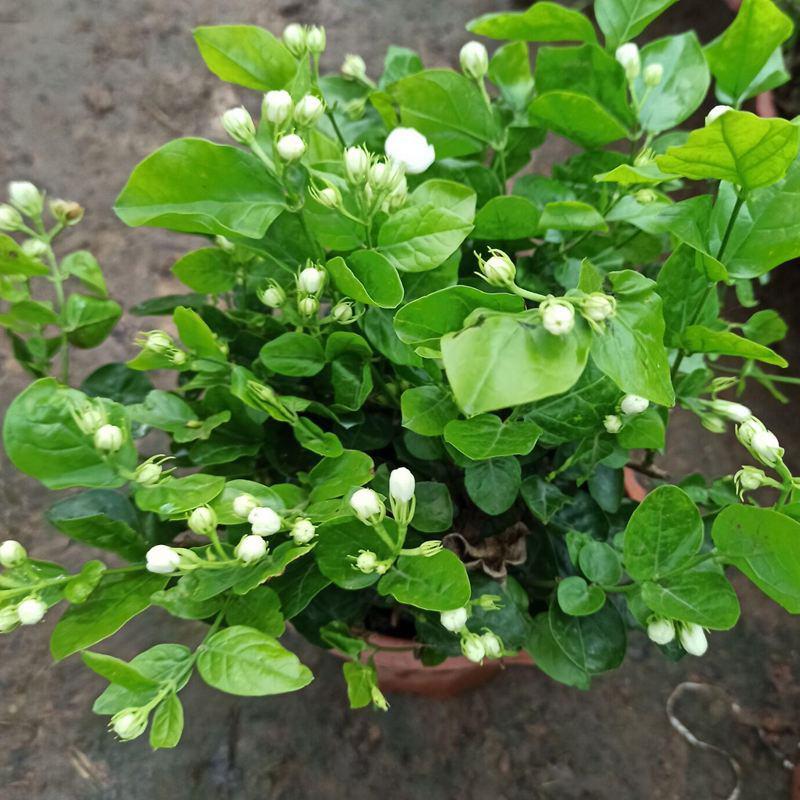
(90,87)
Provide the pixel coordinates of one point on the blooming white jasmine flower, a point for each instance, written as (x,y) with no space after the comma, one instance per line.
(407,146)
(628,56)
(25,197)
(766,448)
(303,531)
(732,411)
(354,67)
(108,438)
(9,619)
(250,548)
(366,561)
(316,39)
(474,60)
(612,423)
(10,218)
(492,644)
(498,269)
(264,521)
(308,110)
(368,506)
(273,296)
(356,164)
(692,638)
(290,147)
(203,520)
(311,280)
(558,316)
(454,620)
(401,484)
(162,559)
(31,610)
(633,404)
(129,723)
(599,307)
(653,74)
(243,504)
(295,38)
(472,647)
(12,554)
(239,125)
(308,306)
(716,113)
(661,631)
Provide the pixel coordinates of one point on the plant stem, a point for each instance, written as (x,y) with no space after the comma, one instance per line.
(330,115)
(385,538)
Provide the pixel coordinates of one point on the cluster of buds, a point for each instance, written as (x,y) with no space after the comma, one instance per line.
(629,406)
(474,60)
(762,443)
(92,420)
(24,200)
(692,637)
(310,283)
(160,343)
(368,562)
(302,39)
(478,646)
(378,183)
(28,611)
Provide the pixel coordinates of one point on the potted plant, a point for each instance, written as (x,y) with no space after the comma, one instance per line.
(397,403)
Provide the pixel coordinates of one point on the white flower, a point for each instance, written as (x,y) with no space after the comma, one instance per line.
(290,147)
(264,521)
(25,197)
(129,723)
(716,113)
(612,423)
(661,631)
(366,561)
(303,531)
(472,647)
(454,620)
(162,559)
(367,506)
(356,164)
(308,110)
(407,146)
(732,411)
(628,56)
(474,60)
(311,280)
(558,317)
(10,218)
(498,269)
(653,74)
(692,638)
(354,67)
(295,38)
(31,610)
(108,438)
(401,484)
(203,520)
(492,644)
(243,504)
(250,548)
(315,39)
(308,306)
(599,307)
(766,448)
(239,125)
(633,404)
(12,554)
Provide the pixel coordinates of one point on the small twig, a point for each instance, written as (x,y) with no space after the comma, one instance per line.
(650,470)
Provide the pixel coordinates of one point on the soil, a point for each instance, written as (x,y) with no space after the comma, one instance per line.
(91,87)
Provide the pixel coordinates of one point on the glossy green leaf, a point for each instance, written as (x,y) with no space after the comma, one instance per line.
(550,658)
(595,643)
(167,726)
(89,320)
(704,598)
(643,431)
(259,609)
(544,499)
(334,477)
(510,71)
(578,599)
(493,485)
(427,409)
(296,354)
(488,436)
(434,508)
(13,260)
(436,583)
(542,22)
(622,20)
(571,215)
(600,563)
(209,270)
(175,496)
(699,339)
(368,277)
(507,217)
(83,265)
(114,670)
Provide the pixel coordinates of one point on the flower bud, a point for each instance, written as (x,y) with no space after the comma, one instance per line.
(311,280)
(243,505)
(303,531)
(67,212)
(272,296)
(558,316)
(599,307)
(343,312)
(748,479)
(9,619)
(264,521)
(646,196)
(354,67)
(628,56)
(26,198)
(429,548)
(162,560)
(488,602)
(35,248)
(224,243)
(716,113)
(498,269)
(612,423)
(645,157)
(766,448)
(492,644)
(277,106)
(10,218)
(148,474)
(178,358)
(89,418)
(474,60)
(158,342)
(409,148)
(661,631)
(713,423)
(12,554)
(401,484)
(736,412)
(366,562)
(308,110)
(330,197)
(315,39)
(250,548)
(129,723)
(203,520)
(633,404)
(295,38)
(472,647)
(692,638)
(748,429)
(308,306)
(239,125)
(378,699)
(31,610)
(368,506)
(356,164)
(108,438)
(653,74)
(290,147)
(454,620)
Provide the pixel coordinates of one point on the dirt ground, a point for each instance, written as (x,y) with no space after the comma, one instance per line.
(89,87)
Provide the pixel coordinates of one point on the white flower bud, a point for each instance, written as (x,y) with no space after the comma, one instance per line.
(67,212)
(148,474)
(354,67)
(356,164)
(612,423)
(308,306)
(239,125)
(628,56)
(343,312)
(599,307)
(25,197)
(162,559)
(250,548)
(35,248)
(713,423)
(748,479)
(273,296)
(303,531)
(277,106)
(558,316)
(492,644)
(31,610)
(290,147)
(653,74)
(129,723)
(646,196)
(12,554)
(748,429)
(158,342)
(330,197)
(243,504)
(264,521)
(10,218)
(108,438)
(408,147)
(633,404)
(367,506)
(401,484)
(474,60)
(224,243)
(89,419)
(661,631)
(498,269)
(203,520)
(766,448)
(308,110)
(178,358)
(732,411)
(315,39)
(472,647)
(295,38)
(311,280)
(9,619)
(454,620)
(366,561)
(692,638)
(716,113)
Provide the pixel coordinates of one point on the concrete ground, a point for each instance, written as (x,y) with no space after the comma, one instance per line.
(90,87)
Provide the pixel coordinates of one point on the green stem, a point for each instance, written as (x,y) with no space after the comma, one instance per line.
(58,284)
(330,115)
(258,150)
(535,296)
(385,538)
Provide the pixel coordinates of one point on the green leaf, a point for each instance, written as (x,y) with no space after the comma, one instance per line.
(117,599)
(368,277)
(550,658)
(196,186)
(663,534)
(705,598)
(298,586)
(87,321)
(448,109)
(600,563)
(631,350)
(487,436)
(197,335)
(427,409)
(738,55)
(571,215)
(595,643)
(168,412)
(628,174)
(114,670)
(176,496)
(458,198)
(259,609)
(247,662)
(507,217)
(83,265)
(578,599)
(436,583)
(295,354)
(493,485)
(622,20)
(764,545)
(360,679)
(699,339)
(13,260)
(510,71)
(334,477)
(643,431)
(209,270)
(765,327)
(399,62)
(167,726)
(739,147)
(542,22)
(542,498)
(434,508)
(246,55)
